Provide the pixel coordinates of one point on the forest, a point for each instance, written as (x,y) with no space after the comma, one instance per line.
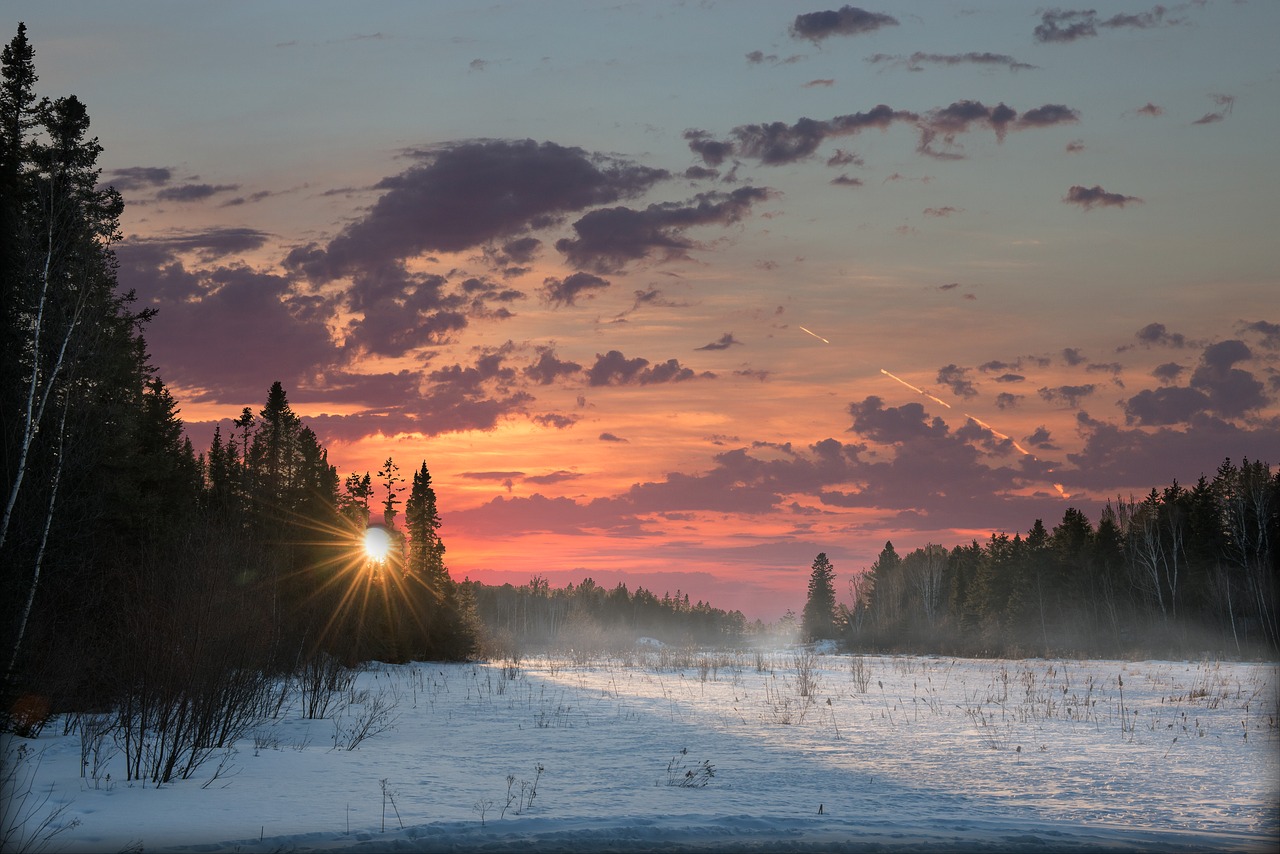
(172,584)
(1181,572)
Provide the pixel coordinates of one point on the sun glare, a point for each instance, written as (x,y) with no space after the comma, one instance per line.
(377,544)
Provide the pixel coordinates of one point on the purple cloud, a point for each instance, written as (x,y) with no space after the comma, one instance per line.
(845,21)
(1091,197)
(566,291)
(613,368)
(609,238)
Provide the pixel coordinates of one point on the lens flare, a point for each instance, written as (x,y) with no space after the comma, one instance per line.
(377,544)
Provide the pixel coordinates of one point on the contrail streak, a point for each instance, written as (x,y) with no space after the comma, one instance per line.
(999,435)
(913,388)
(815,335)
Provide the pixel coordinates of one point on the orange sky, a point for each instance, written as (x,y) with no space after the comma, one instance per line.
(564,255)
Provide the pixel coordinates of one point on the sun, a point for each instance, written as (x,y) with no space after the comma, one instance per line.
(377,544)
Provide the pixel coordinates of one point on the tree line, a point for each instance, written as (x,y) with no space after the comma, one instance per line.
(128,561)
(1180,571)
(592,618)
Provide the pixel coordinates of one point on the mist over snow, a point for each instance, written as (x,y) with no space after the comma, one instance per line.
(672,749)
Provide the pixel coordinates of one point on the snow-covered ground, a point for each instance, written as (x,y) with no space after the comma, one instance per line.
(551,755)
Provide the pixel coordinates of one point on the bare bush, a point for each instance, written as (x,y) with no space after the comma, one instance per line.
(860,673)
(686,776)
(322,681)
(377,716)
(95,750)
(806,665)
(27,822)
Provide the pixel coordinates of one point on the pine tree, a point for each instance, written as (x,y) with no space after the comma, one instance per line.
(390,476)
(818,620)
(74,362)
(422,523)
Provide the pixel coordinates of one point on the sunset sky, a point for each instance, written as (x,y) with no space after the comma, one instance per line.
(682,294)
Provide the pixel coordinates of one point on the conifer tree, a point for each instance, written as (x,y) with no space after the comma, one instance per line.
(818,619)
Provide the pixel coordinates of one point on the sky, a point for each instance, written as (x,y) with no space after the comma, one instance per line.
(680,295)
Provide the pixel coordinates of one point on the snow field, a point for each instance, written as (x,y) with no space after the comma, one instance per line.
(805,752)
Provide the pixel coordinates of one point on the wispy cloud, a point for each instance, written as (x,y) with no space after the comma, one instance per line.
(1225,104)
(919,59)
(1061,25)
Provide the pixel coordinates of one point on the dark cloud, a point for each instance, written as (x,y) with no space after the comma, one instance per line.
(944,124)
(1155,333)
(548,368)
(1070,395)
(713,152)
(944,211)
(845,21)
(1072,356)
(522,250)
(252,198)
(398,311)
(844,158)
(552,477)
(609,437)
(471,193)
(552,419)
(1095,196)
(846,181)
(609,238)
(1168,372)
(935,473)
(613,368)
(917,60)
(777,143)
(193,192)
(1041,440)
(1048,115)
(453,398)
(1270,333)
(1058,25)
(566,291)
(1231,392)
(481,292)
(382,391)
(138,177)
(225,333)
(700,173)
(825,82)
(1141,457)
(1010,378)
(1075,146)
(724,342)
(759,57)
(1007,400)
(1150,109)
(957,379)
(1172,405)
(210,244)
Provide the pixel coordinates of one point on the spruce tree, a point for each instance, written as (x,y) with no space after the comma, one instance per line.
(818,620)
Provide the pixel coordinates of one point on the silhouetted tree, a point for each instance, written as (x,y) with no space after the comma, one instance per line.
(818,621)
